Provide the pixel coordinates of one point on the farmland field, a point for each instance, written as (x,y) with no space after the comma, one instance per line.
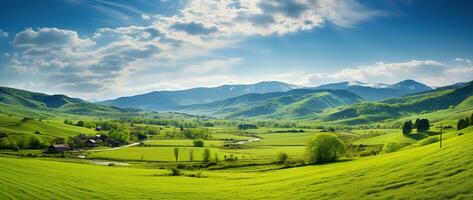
(432,167)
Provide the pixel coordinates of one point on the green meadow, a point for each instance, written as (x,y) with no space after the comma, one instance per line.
(426,172)
(46,153)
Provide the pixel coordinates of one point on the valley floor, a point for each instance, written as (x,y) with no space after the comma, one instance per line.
(427,172)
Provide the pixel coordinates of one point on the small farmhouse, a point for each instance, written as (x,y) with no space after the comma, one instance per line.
(90,143)
(58,148)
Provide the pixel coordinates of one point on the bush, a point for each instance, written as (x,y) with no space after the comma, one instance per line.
(429,140)
(281,157)
(174,171)
(80,123)
(390,147)
(34,143)
(324,148)
(198,143)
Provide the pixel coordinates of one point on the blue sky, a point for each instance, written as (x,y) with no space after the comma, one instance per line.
(104,49)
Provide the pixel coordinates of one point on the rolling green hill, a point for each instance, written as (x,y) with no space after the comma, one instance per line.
(27,102)
(425,172)
(297,103)
(404,106)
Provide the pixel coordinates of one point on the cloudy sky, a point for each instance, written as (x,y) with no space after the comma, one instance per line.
(100,49)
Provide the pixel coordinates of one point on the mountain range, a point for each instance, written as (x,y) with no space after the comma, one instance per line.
(429,101)
(170,100)
(337,104)
(379,91)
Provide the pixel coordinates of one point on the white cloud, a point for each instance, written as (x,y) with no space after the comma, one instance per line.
(145,17)
(3,34)
(431,72)
(265,17)
(169,47)
(46,38)
(463,60)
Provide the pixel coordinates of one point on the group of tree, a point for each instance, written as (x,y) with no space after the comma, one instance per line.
(422,125)
(205,155)
(324,148)
(464,123)
(31,142)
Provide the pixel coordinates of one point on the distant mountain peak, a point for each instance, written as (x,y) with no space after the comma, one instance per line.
(410,85)
(378,91)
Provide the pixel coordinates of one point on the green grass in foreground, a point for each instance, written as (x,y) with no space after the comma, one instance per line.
(426,172)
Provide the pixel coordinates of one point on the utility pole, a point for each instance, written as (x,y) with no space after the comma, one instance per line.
(441,129)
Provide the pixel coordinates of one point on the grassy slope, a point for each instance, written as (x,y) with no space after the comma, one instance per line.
(19,101)
(281,105)
(15,128)
(403,107)
(418,173)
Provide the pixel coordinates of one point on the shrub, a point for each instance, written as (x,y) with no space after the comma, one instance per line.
(80,123)
(174,171)
(390,147)
(198,143)
(281,157)
(37,132)
(429,140)
(324,148)
(34,143)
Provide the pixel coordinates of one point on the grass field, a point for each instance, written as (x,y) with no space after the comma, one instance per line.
(48,129)
(163,154)
(184,143)
(423,173)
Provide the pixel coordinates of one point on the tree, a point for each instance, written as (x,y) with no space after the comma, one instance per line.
(461,124)
(407,127)
(471,119)
(424,125)
(191,155)
(216,158)
(198,143)
(324,148)
(176,153)
(34,142)
(282,157)
(80,123)
(416,124)
(118,137)
(206,156)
